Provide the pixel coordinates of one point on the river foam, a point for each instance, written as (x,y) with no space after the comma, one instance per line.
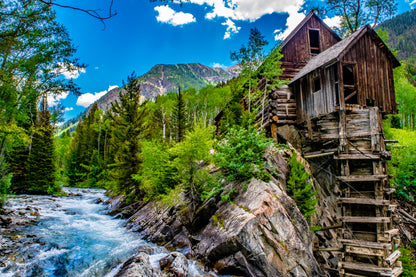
(74,236)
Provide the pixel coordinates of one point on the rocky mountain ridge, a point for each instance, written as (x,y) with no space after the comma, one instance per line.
(164,78)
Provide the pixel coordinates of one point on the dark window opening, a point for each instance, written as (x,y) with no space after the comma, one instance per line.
(336,95)
(369,102)
(350,88)
(314,41)
(336,84)
(316,84)
(348,75)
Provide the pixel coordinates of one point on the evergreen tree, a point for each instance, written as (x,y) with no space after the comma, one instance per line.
(179,117)
(300,187)
(34,50)
(41,163)
(127,120)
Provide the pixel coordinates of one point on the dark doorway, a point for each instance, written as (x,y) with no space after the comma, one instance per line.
(350,87)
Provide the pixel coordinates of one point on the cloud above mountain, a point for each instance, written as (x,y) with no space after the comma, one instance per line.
(170,16)
(87,99)
(232,11)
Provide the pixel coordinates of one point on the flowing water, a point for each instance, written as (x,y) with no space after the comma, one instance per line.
(73,236)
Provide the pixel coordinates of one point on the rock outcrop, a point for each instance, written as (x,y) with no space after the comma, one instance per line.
(260,233)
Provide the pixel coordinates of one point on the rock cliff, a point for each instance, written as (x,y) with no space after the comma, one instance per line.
(260,233)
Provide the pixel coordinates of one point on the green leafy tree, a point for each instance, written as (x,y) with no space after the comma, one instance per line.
(34,51)
(250,57)
(188,156)
(271,70)
(357,13)
(300,187)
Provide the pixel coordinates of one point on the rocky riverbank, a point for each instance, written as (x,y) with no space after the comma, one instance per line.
(261,232)
(12,241)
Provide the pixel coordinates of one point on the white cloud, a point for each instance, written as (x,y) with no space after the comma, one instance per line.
(168,15)
(69,71)
(87,99)
(292,21)
(218,65)
(68,109)
(252,10)
(53,100)
(245,9)
(231,28)
(112,87)
(333,21)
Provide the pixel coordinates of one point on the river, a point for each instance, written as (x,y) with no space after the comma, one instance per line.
(74,236)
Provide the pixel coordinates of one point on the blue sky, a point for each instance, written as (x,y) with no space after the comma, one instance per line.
(145,33)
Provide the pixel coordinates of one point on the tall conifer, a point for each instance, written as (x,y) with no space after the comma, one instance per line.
(127,130)
(41,163)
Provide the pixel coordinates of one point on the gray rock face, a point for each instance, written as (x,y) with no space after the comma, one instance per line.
(138,266)
(260,233)
(175,264)
(263,233)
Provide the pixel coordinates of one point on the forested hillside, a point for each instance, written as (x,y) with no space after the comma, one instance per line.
(402,34)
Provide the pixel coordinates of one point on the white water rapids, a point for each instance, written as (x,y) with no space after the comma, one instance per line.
(73,236)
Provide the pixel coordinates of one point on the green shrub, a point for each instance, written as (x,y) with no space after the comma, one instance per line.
(240,154)
(408,262)
(300,187)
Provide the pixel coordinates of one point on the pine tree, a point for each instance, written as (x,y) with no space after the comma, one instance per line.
(127,120)
(41,163)
(179,117)
(300,187)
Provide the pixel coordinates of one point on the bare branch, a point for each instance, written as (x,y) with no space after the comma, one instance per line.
(94,13)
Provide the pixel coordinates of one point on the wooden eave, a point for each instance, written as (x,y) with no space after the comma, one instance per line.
(302,23)
(380,43)
(338,51)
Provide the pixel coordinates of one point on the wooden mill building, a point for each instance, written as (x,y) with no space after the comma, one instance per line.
(337,95)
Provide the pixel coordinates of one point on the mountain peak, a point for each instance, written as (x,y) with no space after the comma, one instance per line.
(164,78)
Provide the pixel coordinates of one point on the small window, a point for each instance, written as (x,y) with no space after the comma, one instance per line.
(316,84)
(314,41)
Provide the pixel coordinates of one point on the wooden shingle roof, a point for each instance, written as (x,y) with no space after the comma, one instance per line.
(335,52)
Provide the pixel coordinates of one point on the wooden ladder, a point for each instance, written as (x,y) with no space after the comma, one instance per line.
(370,244)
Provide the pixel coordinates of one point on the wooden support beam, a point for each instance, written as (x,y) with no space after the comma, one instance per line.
(365,267)
(367,244)
(365,251)
(353,275)
(391,141)
(361,178)
(365,219)
(363,201)
(392,232)
(315,154)
(392,258)
(336,226)
(397,271)
(357,157)
(329,249)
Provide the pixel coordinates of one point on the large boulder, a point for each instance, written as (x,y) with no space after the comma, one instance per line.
(137,266)
(262,233)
